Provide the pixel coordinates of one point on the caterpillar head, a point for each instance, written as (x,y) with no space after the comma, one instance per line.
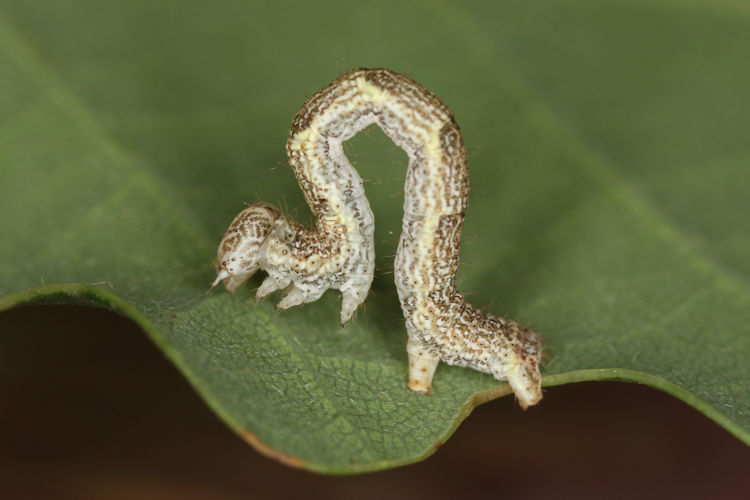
(242,249)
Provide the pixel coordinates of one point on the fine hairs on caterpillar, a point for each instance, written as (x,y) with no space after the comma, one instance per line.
(338,252)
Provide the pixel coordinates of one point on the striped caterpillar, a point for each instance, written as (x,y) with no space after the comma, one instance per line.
(338,252)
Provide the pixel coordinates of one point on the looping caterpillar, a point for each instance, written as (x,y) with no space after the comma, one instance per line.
(338,252)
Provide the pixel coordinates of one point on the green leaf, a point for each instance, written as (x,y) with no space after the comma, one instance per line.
(609,161)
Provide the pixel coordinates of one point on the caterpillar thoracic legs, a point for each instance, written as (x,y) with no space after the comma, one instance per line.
(338,252)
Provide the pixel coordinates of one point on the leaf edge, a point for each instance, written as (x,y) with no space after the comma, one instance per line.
(84,294)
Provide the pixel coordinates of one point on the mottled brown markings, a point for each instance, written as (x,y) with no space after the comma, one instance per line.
(314,105)
(338,252)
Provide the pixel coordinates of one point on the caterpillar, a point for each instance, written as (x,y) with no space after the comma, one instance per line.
(338,252)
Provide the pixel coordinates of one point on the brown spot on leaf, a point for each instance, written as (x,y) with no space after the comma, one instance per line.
(273,453)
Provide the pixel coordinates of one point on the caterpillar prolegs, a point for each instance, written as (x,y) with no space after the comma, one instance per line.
(338,252)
